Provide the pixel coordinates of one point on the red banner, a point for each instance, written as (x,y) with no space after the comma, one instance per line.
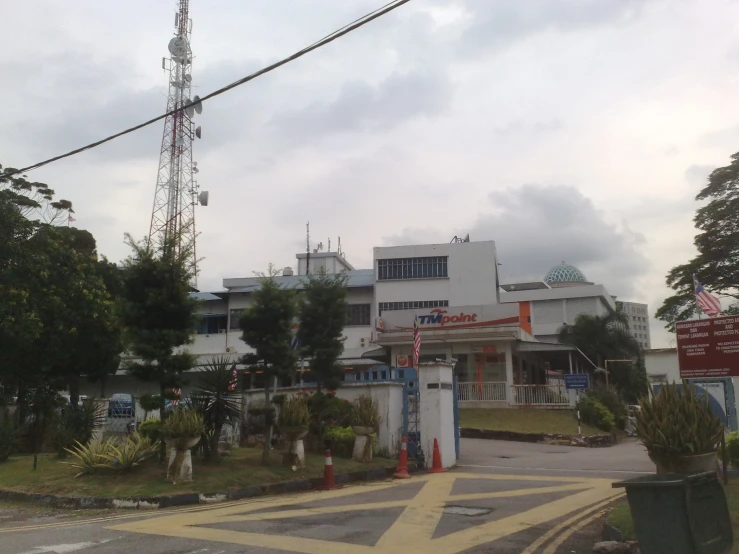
(708,347)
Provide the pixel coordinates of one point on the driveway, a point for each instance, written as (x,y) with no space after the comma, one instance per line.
(508,498)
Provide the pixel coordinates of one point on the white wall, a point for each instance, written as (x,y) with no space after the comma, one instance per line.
(471,280)
(662,365)
(389,397)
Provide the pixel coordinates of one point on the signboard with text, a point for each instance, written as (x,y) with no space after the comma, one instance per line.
(576,380)
(708,347)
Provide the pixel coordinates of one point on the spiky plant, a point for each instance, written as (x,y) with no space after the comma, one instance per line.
(364,412)
(675,423)
(294,413)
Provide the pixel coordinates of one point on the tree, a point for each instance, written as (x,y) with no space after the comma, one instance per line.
(159,315)
(603,338)
(717,261)
(34,200)
(265,327)
(323,309)
(57,319)
(215,400)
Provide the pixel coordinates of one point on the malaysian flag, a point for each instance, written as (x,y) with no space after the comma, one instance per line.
(178,392)
(234,379)
(707,302)
(416,341)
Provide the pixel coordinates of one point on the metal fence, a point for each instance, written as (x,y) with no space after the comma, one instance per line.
(540,395)
(477,391)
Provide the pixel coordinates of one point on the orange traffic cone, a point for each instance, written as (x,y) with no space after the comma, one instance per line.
(328,474)
(436,468)
(402,471)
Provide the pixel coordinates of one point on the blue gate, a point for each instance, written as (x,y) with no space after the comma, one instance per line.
(411,407)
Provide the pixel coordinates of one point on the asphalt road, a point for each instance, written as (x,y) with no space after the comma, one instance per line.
(508,498)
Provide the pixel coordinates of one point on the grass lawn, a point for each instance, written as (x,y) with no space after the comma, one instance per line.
(241,469)
(524,420)
(620,516)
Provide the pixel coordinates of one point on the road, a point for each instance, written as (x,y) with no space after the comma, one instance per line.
(504,497)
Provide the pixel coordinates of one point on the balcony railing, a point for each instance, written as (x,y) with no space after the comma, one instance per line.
(476,391)
(539,395)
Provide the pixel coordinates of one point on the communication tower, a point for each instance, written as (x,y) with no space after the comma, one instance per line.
(177,191)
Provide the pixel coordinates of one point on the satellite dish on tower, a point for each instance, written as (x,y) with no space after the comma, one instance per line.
(189,109)
(188,78)
(198,132)
(198,104)
(178,46)
(203,198)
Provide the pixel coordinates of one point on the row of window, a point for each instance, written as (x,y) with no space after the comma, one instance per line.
(356,315)
(431,267)
(412,305)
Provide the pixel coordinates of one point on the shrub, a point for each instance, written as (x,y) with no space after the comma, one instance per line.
(594,413)
(75,424)
(364,413)
(182,424)
(732,449)
(151,429)
(610,399)
(294,413)
(131,453)
(109,456)
(676,423)
(341,439)
(10,433)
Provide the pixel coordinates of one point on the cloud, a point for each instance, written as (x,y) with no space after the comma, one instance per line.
(697,175)
(361,107)
(536,227)
(498,24)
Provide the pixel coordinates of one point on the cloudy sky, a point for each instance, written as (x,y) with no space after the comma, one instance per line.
(575,130)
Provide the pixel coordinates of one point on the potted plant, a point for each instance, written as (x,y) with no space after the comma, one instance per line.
(679,431)
(181,431)
(293,423)
(365,421)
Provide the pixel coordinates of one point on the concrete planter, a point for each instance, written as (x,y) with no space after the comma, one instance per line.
(362,444)
(179,468)
(698,463)
(295,455)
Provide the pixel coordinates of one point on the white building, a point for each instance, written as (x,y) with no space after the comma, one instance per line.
(638,315)
(503,339)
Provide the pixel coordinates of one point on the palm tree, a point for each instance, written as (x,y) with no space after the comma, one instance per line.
(216,400)
(603,338)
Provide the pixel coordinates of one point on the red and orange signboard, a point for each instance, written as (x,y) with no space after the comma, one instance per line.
(708,347)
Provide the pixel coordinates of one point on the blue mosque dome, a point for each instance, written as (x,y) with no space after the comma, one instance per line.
(565,273)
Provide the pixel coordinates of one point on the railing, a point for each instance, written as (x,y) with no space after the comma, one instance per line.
(540,395)
(475,392)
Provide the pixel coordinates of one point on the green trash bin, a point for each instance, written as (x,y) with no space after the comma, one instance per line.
(679,514)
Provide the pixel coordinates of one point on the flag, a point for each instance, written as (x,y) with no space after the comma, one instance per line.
(416,341)
(178,392)
(707,302)
(234,379)
(71,219)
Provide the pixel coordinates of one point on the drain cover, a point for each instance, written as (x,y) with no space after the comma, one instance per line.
(465,511)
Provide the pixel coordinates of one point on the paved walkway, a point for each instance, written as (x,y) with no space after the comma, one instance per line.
(479,507)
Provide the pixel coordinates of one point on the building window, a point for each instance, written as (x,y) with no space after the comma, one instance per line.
(431,267)
(235,317)
(357,314)
(412,305)
(211,324)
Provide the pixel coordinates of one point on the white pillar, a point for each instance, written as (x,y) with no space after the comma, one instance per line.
(436,392)
(509,372)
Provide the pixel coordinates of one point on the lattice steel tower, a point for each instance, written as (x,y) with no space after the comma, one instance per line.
(176,194)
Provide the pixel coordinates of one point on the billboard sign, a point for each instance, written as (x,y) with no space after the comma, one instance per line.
(708,347)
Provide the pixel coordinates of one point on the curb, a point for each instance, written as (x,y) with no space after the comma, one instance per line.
(187,499)
(574,440)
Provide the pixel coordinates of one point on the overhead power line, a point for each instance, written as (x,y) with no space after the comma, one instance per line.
(345,30)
